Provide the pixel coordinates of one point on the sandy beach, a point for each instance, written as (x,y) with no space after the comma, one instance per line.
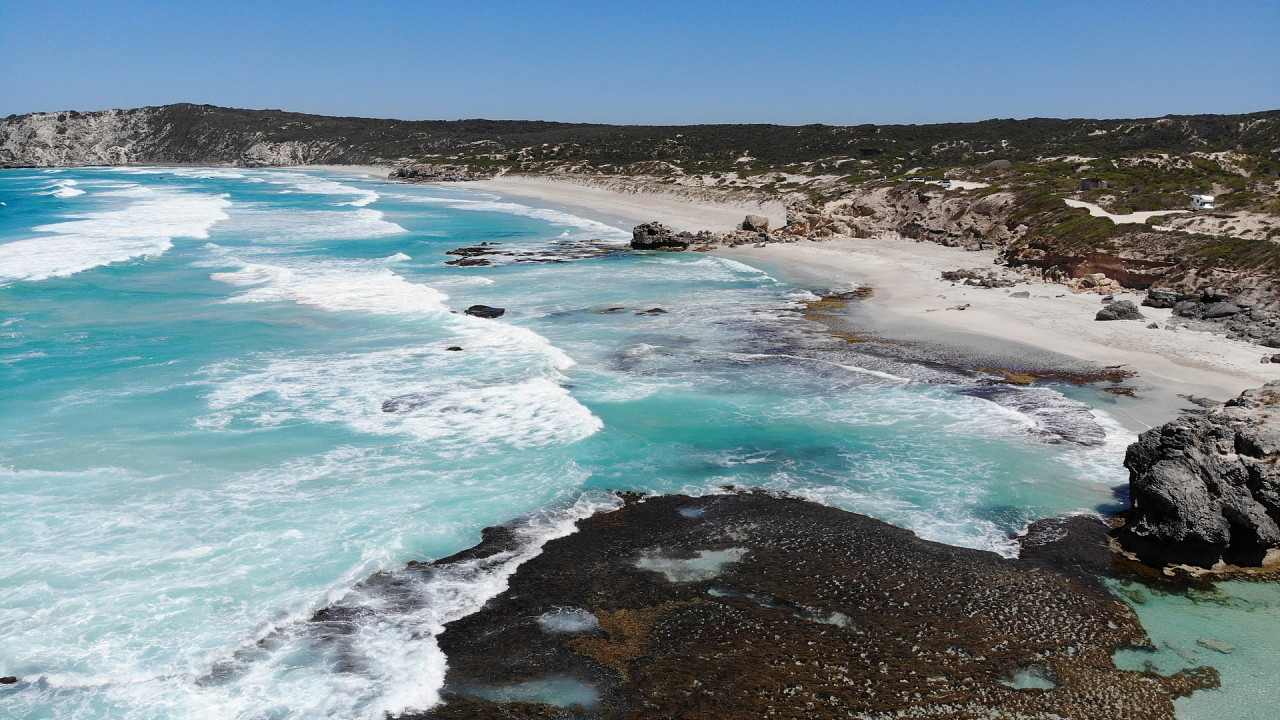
(912,300)
(628,209)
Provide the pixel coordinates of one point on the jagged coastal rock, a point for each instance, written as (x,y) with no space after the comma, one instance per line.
(754,223)
(1206,490)
(751,605)
(656,236)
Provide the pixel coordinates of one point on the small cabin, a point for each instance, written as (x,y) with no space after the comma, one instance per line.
(1093,184)
(1201,202)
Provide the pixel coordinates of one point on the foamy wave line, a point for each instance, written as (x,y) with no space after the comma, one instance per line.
(64,189)
(313,185)
(510,395)
(555,217)
(275,226)
(379,291)
(410,675)
(145,228)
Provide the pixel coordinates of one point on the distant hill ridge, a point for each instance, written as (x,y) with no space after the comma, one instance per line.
(204,134)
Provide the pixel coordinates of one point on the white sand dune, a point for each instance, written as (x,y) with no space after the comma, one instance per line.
(1137,217)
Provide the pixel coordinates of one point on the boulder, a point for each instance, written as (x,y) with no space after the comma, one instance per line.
(999,165)
(1214,295)
(755,223)
(453,348)
(1122,310)
(8,680)
(1219,310)
(656,236)
(1207,489)
(1160,298)
(484,311)
(1187,309)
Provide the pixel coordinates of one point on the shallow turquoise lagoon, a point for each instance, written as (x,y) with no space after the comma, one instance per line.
(195,368)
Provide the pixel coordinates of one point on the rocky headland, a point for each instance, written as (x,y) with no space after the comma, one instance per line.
(748,605)
(1205,489)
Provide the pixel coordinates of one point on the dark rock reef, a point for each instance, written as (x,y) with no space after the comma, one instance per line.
(753,605)
(1206,490)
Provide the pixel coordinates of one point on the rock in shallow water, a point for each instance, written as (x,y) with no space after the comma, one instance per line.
(1207,489)
(798,610)
(484,311)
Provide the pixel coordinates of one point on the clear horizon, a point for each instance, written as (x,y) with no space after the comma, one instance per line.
(656,64)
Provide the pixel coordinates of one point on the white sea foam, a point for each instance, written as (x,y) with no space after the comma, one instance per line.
(338,290)
(145,228)
(1104,464)
(314,185)
(356,287)
(64,189)
(509,395)
(198,173)
(555,217)
(288,226)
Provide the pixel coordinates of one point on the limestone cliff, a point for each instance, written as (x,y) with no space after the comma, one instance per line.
(160,135)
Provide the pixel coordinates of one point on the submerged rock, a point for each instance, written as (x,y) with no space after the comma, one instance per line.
(754,605)
(1216,645)
(484,311)
(1206,489)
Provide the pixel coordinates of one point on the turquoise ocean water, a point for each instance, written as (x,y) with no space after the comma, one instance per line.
(196,452)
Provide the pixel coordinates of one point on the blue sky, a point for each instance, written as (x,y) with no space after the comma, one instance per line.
(648,61)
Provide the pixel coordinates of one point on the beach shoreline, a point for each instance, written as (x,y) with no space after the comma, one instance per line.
(633,206)
(911,301)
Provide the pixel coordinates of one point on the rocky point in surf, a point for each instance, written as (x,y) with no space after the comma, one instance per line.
(748,605)
(1206,490)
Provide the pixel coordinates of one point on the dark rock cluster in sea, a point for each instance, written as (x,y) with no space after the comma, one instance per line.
(1206,489)
(494,253)
(749,605)
(754,229)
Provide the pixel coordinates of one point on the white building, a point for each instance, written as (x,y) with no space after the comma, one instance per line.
(1201,202)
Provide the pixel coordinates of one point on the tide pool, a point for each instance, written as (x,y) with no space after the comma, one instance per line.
(196,368)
